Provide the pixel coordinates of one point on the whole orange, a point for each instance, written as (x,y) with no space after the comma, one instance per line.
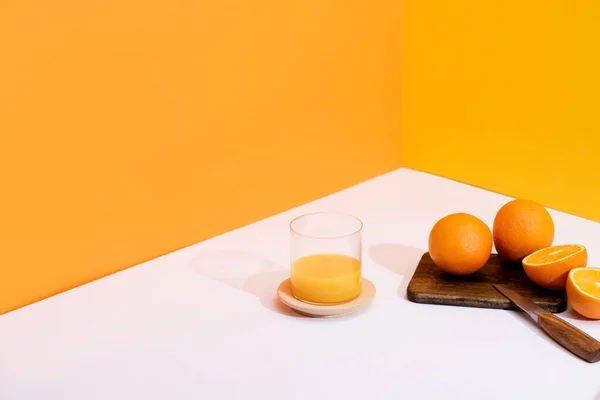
(522,227)
(460,244)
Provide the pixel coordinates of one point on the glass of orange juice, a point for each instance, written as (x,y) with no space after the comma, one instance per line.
(326,260)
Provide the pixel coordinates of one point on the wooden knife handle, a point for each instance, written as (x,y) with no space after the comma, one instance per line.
(570,337)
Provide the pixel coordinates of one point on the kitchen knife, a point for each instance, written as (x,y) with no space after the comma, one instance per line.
(571,338)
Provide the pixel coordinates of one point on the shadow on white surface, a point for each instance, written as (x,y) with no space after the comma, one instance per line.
(530,323)
(569,313)
(399,259)
(247,272)
(264,286)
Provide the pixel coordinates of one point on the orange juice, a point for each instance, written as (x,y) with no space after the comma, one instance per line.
(326,278)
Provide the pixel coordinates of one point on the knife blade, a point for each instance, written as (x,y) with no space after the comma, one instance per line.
(570,337)
(523,303)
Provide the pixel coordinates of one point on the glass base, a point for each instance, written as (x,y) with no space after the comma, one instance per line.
(325,304)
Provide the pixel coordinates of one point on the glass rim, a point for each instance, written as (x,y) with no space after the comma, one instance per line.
(294,231)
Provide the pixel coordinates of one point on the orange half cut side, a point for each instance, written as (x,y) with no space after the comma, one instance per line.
(583,291)
(553,253)
(549,267)
(587,280)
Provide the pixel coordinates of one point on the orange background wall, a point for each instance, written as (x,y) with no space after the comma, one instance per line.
(505,95)
(129,128)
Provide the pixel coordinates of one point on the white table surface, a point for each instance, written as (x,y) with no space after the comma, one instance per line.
(204,322)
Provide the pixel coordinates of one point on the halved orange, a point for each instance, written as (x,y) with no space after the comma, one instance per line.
(549,267)
(583,291)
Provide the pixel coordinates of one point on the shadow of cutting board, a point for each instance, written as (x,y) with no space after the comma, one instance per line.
(430,285)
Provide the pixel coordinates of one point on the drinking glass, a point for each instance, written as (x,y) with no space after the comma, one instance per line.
(326,258)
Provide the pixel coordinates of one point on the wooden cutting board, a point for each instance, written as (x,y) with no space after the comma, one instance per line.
(431,285)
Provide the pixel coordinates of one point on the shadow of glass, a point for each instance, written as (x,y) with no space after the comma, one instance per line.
(399,259)
(247,272)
